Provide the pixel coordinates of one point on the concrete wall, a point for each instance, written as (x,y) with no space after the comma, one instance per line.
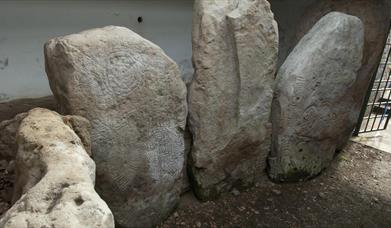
(25,25)
(288,14)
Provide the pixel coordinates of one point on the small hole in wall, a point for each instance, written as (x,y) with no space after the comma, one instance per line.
(140,19)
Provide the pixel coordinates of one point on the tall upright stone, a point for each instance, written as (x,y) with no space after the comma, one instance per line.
(312,107)
(135,99)
(375,15)
(235,45)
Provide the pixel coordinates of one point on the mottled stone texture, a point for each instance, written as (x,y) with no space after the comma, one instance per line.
(11,114)
(235,45)
(312,107)
(134,97)
(8,131)
(375,15)
(54,178)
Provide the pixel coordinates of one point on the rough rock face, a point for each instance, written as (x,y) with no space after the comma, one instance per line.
(235,45)
(55,178)
(313,97)
(134,97)
(375,15)
(8,131)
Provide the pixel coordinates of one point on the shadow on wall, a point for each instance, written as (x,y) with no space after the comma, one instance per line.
(288,14)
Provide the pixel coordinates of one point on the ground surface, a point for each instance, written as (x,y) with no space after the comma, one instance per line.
(354,192)
(6,185)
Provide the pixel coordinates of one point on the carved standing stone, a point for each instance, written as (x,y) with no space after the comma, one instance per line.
(235,45)
(375,15)
(136,101)
(54,177)
(312,107)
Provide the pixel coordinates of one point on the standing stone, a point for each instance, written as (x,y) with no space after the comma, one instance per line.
(54,177)
(136,101)
(235,45)
(375,15)
(313,97)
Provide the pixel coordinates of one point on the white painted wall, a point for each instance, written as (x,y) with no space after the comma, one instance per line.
(25,25)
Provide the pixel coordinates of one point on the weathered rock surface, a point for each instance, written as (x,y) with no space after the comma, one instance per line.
(8,131)
(235,45)
(375,16)
(55,178)
(134,97)
(11,114)
(312,107)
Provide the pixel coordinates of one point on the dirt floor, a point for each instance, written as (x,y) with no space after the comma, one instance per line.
(7,177)
(354,192)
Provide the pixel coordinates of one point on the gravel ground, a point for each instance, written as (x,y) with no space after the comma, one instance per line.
(354,192)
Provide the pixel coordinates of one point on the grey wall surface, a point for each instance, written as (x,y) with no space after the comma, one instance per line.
(288,14)
(25,25)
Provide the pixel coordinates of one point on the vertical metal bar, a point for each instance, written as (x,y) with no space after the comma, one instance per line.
(387,104)
(387,81)
(365,104)
(378,88)
(376,93)
(387,101)
(364,109)
(386,124)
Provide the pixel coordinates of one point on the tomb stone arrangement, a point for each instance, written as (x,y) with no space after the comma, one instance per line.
(243,119)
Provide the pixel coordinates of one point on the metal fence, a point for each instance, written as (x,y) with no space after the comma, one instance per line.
(376,111)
